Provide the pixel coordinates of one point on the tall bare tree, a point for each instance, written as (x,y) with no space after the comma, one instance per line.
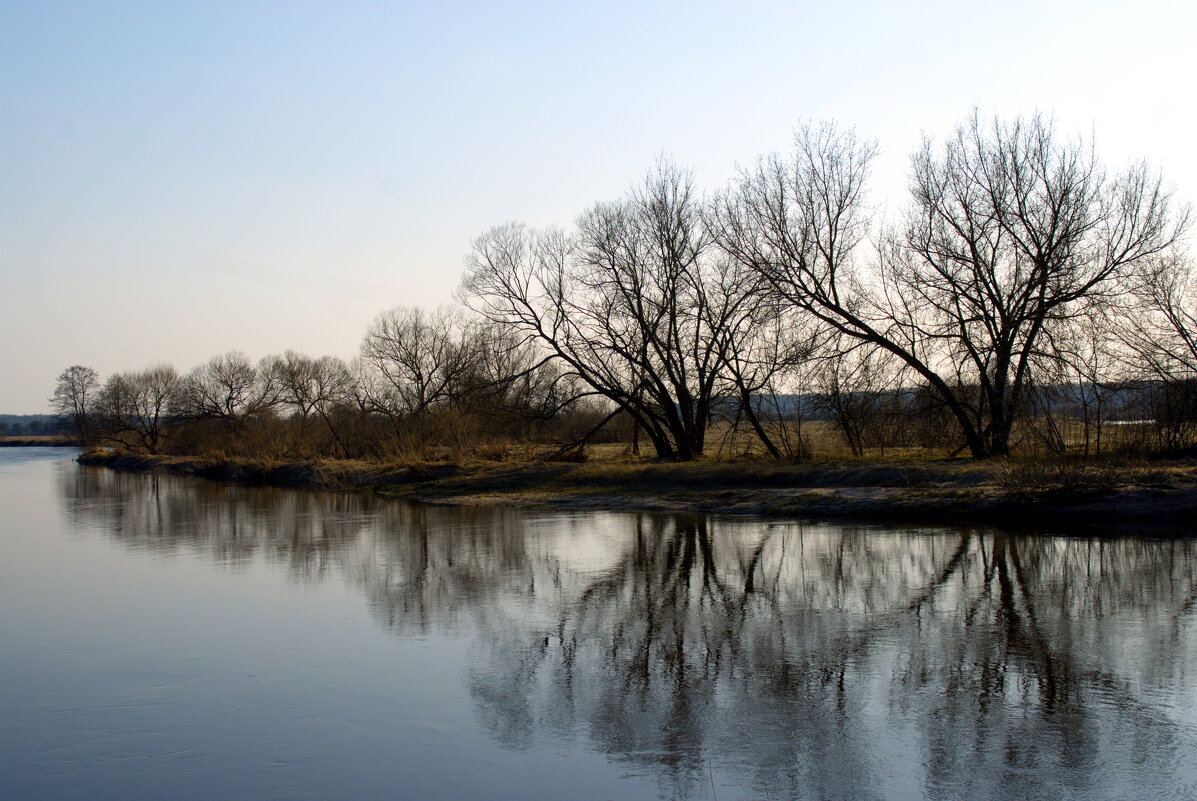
(1010,230)
(628,303)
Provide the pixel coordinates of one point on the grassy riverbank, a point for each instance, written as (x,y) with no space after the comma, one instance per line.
(37,442)
(943,490)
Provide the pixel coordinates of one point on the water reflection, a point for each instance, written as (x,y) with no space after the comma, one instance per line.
(777,660)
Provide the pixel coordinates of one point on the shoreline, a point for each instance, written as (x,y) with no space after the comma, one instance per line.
(956,491)
(38,442)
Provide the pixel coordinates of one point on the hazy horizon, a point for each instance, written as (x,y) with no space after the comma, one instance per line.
(187,180)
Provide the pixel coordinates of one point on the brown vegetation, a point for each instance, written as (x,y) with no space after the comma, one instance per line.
(37,441)
(1027,492)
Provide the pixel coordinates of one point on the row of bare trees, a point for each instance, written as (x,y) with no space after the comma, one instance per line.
(422,378)
(1019,262)
(1024,293)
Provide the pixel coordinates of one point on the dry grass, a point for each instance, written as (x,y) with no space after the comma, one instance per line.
(1035,475)
(36,441)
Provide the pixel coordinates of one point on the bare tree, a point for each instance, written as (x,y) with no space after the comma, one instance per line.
(1076,387)
(510,377)
(313,386)
(1161,331)
(418,359)
(762,342)
(629,303)
(859,390)
(139,405)
(1162,337)
(228,388)
(74,397)
(1010,231)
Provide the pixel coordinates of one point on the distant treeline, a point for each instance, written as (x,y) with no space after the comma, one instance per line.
(33,425)
(1024,298)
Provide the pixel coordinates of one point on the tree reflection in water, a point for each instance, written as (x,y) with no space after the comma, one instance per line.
(799,660)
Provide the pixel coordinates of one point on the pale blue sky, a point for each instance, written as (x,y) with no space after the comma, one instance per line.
(181,179)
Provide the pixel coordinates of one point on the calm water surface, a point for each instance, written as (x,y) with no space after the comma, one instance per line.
(170,638)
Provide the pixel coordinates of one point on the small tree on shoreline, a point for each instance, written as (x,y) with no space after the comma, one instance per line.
(74,399)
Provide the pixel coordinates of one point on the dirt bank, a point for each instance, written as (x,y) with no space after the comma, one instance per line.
(957,491)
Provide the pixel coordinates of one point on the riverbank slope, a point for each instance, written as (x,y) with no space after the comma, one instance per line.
(964,491)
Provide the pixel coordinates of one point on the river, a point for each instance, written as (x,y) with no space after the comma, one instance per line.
(174,638)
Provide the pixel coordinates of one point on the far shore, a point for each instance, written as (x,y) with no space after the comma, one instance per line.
(38,442)
(1121,500)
